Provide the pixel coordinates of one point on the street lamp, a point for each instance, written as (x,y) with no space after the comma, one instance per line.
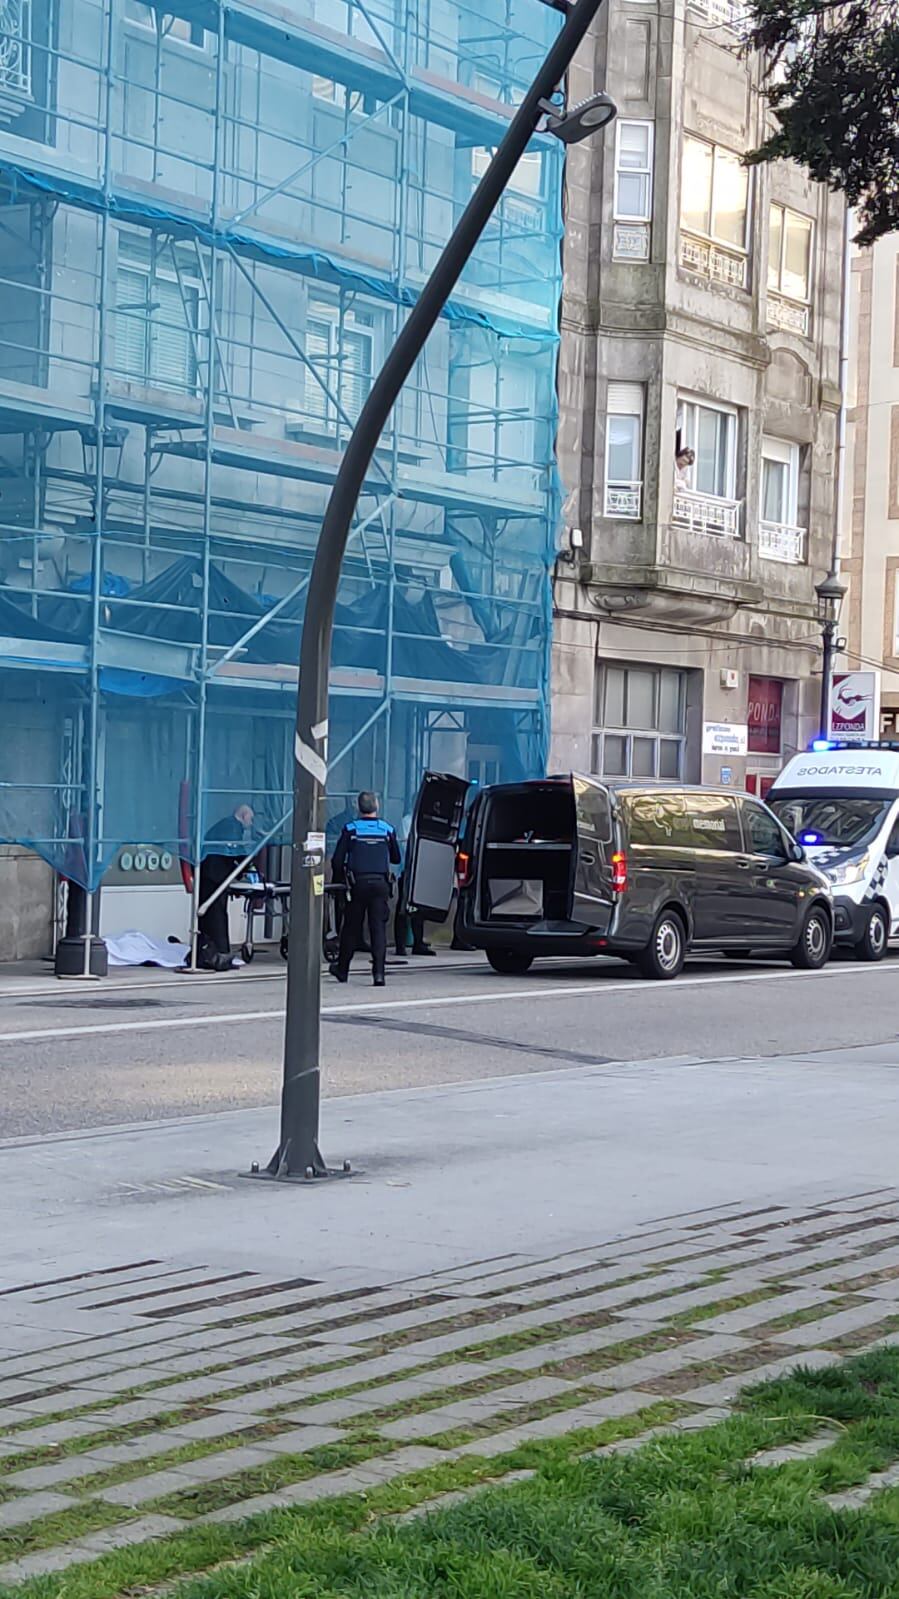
(298,1155)
(830,592)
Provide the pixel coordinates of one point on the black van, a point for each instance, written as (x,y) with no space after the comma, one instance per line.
(573,866)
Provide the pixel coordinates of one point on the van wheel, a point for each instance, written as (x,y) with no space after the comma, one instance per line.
(812,949)
(872,946)
(510,962)
(666,951)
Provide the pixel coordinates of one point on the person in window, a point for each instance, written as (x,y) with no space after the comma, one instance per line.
(683,467)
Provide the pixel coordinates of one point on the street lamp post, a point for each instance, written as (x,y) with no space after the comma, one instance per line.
(830,592)
(298,1155)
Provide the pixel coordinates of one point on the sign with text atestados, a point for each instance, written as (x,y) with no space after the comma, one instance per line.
(855,706)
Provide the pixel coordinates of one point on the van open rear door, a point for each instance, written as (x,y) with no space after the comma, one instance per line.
(593,897)
(431,846)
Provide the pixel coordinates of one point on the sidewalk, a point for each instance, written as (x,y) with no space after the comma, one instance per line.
(33,978)
(196,1349)
(147,1401)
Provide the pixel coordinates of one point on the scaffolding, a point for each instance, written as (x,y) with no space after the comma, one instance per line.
(213,216)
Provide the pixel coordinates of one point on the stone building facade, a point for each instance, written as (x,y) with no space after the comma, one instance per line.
(870,519)
(702,310)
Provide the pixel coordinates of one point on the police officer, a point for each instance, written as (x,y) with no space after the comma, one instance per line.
(365,852)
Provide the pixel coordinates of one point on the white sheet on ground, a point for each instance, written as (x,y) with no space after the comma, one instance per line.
(139,949)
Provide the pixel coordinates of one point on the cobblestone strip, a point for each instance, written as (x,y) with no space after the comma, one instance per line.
(685,1270)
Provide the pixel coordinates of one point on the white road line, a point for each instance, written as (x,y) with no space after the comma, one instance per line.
(596,990)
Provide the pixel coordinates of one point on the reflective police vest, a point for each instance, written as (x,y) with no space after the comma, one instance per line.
(368,848)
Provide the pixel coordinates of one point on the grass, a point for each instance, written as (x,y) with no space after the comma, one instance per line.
(61,1528)
(684,1517)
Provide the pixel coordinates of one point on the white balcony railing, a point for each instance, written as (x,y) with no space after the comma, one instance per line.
(715,261)
(630,241)
(778,541)
(624,500)
(724,13)
(706,513)
(791,316)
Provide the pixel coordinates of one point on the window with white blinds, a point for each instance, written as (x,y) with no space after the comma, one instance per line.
(624,450)
(342,358)
(157,317)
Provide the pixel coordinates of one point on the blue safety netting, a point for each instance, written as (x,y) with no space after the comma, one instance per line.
(197,286)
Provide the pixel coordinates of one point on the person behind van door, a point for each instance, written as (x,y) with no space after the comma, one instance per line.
(365,852)
(403,921)
(236,831)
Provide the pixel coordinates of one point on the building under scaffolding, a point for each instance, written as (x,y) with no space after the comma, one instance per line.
(214,215)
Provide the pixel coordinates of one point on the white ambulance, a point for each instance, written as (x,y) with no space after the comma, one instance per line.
(841,802)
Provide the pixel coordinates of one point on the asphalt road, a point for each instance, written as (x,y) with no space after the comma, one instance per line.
(166,1046)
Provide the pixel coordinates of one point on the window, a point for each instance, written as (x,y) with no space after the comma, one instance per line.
(780,482)
(780,537)
(712,821)
(762,834)
(157,299)
(764,715)
(640,716)
(624,449)
(343,360)
(711,432)
(656,820)
(714,193)
(633,171)
(171,27)
(527,179)
(789,253)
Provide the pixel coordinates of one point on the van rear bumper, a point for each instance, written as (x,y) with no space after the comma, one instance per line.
(849,919)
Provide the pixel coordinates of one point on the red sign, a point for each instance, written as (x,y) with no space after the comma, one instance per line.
(764,715)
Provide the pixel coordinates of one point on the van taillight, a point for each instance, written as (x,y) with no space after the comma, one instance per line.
(619,872)
(463,868)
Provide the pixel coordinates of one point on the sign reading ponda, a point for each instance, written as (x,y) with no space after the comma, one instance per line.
(764,715)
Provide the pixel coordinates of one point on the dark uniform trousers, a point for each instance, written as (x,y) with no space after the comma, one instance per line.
(369,901)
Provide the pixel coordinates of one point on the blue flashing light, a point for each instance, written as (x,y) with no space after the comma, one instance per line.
(810,838)
(819,744)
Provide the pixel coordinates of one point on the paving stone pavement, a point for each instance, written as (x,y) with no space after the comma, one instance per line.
(164,1396)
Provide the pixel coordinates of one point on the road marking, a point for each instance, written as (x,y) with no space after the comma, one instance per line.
(634,986)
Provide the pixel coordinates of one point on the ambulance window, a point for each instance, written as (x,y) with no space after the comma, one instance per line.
(893,842)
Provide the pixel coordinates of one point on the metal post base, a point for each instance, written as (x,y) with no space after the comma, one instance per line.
(277,1171)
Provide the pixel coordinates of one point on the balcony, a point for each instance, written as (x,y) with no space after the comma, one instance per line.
(15,58)
(715,261)
(778,541)
(624,500)
(723,13)
(706,513)
(790,316)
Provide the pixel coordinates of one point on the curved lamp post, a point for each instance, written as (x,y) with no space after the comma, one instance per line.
(298,1155)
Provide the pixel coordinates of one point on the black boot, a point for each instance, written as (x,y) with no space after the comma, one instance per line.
(378,979)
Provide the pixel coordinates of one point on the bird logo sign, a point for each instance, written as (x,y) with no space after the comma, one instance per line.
(854,705)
